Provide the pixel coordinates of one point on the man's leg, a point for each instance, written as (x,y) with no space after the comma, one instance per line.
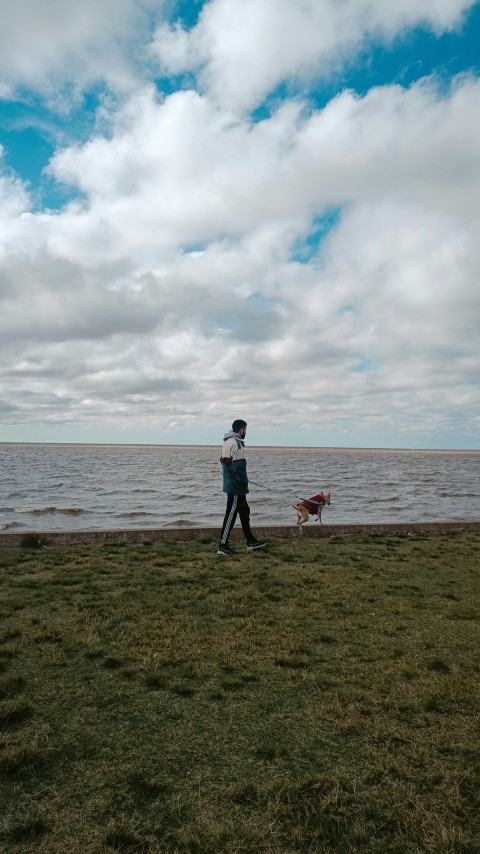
(244,513)
(229,520)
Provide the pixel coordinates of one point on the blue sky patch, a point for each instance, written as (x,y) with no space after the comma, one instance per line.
(415,54)
(187,12)
(31,133)
(309,246)
(366,365)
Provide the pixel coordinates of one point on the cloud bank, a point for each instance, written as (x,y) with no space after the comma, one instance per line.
(233,245)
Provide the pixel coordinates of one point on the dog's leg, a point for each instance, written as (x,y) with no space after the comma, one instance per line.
(301,521)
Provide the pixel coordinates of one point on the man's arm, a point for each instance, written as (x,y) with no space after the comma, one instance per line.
(239,471)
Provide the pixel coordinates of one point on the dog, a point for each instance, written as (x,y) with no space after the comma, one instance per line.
(311,507)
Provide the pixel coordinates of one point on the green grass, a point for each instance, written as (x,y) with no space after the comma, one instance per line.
(317,696)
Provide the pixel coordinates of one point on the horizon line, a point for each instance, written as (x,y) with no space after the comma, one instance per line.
(250,447)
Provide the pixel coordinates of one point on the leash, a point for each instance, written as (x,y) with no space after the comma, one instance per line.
(269,489)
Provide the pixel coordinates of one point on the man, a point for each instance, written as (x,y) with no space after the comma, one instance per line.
(235,484)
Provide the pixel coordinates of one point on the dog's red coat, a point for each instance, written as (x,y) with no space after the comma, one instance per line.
(313,504)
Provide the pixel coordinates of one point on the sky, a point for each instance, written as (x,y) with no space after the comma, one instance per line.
(266,209)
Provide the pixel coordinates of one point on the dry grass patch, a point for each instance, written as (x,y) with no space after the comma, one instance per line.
(318,696)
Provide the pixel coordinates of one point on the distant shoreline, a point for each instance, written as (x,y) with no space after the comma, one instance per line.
(307,448)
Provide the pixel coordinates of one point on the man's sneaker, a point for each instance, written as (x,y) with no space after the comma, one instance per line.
(226,551)
(255,544)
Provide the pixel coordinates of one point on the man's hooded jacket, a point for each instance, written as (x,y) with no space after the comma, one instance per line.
(234,465)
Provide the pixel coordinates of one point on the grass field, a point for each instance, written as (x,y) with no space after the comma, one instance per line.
(317,696)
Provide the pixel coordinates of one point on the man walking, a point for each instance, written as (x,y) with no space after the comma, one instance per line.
(235,484)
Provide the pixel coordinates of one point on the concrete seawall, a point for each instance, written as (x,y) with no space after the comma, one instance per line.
(161,535)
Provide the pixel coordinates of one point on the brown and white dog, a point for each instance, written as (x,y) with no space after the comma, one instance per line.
(311,507)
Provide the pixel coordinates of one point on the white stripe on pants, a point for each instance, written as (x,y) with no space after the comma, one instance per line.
(230,521)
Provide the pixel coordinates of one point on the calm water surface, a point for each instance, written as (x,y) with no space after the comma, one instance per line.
(71,487)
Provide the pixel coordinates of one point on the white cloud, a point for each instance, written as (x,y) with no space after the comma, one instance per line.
(171,291)
(176,172)
(173,173)
(243,50)
(396,287)
(417,145)
(14,202)
(44,46)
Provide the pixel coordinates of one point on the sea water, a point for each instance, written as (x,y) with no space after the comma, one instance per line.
(57,487)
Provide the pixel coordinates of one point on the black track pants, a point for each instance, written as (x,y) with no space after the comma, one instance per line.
(236,504)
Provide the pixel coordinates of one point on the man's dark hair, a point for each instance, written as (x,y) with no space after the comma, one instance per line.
(238,424)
